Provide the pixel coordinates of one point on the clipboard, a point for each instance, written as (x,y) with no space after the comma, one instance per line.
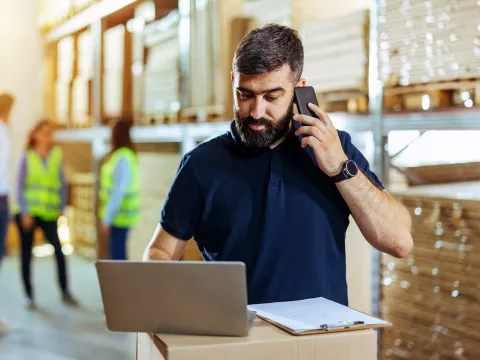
(345,328)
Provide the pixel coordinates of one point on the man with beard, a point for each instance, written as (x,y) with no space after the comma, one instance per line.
(255,195)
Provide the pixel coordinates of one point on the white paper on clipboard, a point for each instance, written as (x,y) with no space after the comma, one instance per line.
(312,314)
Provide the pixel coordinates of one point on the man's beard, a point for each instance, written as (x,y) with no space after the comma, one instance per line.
(273,129)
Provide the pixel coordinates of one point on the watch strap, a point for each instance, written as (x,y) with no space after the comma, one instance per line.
(344,174)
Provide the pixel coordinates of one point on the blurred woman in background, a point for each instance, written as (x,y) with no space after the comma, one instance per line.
(119,190)
(41,199)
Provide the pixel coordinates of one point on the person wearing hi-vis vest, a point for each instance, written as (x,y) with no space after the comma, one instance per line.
(119,190)
(41,199)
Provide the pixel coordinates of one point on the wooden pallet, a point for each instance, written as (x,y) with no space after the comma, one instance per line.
(352,101)
(202,114)
(445,94)
(159,118)
(445,173)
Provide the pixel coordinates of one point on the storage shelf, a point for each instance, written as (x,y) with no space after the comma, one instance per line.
(351,123)
(437,120)
(199,131)
(82,135)
(148,134)
(86,17)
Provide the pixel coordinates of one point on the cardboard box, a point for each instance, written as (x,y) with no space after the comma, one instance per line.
(264,342)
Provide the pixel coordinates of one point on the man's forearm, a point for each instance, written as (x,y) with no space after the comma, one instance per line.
(384,222)
(152,253)
(164,246)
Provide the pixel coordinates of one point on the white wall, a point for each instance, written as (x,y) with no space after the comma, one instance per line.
(21,67)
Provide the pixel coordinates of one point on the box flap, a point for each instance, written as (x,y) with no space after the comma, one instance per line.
(268,341)
(261,331)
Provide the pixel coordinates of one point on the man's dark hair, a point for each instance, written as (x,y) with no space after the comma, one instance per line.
(269,48)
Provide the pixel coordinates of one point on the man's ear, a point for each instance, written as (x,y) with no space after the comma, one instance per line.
(232,75)
(301,82)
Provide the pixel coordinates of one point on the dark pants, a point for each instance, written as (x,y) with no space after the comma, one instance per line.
(49,229)
(4,219)
(118,243)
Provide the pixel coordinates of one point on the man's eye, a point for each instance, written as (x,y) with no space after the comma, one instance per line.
(271,98)
(245,96)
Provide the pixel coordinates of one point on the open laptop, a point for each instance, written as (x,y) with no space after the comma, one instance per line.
(176,297)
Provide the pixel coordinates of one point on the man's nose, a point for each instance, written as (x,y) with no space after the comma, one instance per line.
(258,109)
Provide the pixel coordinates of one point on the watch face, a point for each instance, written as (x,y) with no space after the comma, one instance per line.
(351,168)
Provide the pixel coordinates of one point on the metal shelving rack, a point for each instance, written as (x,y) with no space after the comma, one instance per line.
(188,135)
(384,123)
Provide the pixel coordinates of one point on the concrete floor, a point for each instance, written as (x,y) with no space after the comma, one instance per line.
(55,331)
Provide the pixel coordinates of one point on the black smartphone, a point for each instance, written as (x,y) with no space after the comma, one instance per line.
(302,96)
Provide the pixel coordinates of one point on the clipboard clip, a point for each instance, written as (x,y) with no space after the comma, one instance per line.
(342,325)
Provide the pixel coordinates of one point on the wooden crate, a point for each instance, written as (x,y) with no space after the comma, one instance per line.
(432,297)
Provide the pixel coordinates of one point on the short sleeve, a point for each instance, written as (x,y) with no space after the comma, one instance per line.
(354,154)
(183,206)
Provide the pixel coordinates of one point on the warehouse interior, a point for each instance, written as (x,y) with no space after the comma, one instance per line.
(401,76)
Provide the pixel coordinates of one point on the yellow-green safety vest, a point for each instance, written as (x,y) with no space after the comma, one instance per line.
(43,185)
(129,210)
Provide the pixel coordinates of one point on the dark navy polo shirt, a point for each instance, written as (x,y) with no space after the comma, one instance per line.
(272,209)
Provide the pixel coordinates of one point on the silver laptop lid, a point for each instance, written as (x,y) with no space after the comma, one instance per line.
(179,297)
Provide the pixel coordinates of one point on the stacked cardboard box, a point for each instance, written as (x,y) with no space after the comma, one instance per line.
(269,11)
(83,219)
(428,41)
(336,52)
(81,84)
(296,13)
(113,71)
(162,71)
(52,12)
(65,60)
(158,165)
(144,12)
(79,5)
(433,296)
(159,162)
(264,341)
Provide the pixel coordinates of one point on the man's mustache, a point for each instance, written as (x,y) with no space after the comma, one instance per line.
(260,121)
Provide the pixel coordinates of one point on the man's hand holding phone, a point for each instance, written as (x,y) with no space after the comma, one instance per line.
(322,136)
